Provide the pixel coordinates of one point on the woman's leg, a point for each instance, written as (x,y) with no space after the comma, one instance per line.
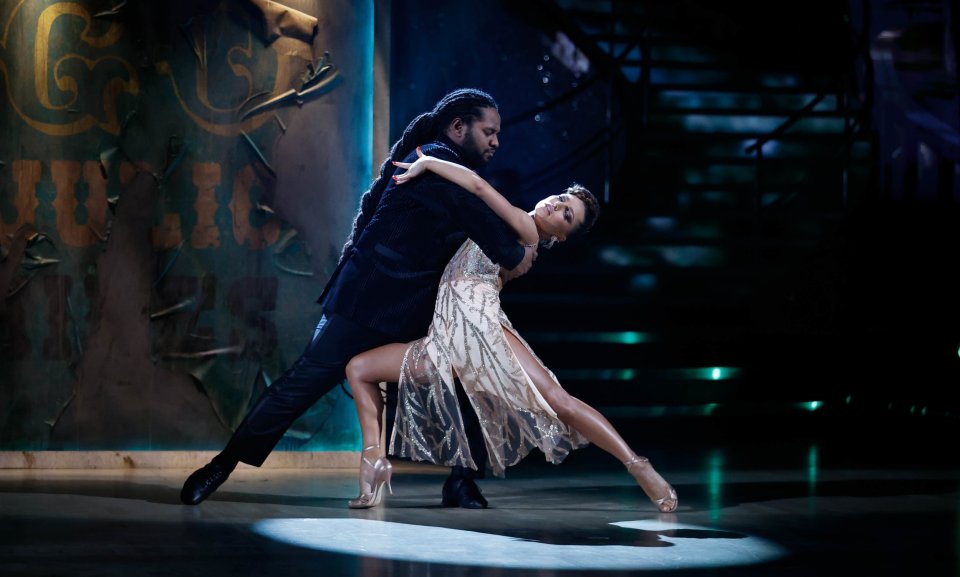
(592,425)
(365,372)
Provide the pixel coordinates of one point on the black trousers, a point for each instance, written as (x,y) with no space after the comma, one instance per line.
(319,369)
(471,426)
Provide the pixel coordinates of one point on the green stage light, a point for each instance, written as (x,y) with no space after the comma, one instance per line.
(613,337)
(716,373)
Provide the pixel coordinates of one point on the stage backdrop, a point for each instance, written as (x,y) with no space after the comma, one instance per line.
(176,182)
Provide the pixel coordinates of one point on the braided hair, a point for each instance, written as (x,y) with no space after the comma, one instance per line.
(466,104)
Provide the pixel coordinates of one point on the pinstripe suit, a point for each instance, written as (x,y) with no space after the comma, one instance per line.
(383,292)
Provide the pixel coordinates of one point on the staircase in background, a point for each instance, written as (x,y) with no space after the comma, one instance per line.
(686,287)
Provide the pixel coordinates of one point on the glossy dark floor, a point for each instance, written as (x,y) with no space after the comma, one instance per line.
(884,501)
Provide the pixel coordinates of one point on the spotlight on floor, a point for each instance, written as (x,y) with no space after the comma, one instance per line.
(658,545)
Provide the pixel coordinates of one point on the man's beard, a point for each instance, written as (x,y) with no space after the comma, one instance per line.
(472,154)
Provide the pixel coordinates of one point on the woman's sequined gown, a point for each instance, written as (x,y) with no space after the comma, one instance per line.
(466,340)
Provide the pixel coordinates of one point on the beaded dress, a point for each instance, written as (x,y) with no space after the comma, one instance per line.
(466,341)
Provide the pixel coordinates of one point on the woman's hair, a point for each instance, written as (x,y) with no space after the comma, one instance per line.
(591,205)
(466,104)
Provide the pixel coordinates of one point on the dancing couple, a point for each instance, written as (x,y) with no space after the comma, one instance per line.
(431,247)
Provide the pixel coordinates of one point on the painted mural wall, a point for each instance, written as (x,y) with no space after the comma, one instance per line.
(176,181)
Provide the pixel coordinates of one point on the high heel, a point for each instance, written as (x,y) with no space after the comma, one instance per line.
(667,504)
(379,473)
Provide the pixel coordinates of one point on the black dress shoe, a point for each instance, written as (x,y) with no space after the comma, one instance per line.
(460,492)
(205,480)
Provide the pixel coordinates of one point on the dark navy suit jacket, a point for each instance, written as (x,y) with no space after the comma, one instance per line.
(389,281)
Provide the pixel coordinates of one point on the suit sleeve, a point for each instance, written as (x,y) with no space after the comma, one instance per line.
(470,214)
(494,237)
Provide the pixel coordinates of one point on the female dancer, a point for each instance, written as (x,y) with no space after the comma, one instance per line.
(518,401)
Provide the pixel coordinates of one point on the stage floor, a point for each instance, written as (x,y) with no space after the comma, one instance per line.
(741,513)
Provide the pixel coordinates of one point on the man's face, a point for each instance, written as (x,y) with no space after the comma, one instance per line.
(479,138)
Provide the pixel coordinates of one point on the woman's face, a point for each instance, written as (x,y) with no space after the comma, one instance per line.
(559,215)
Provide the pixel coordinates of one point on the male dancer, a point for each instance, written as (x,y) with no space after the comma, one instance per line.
(385,284)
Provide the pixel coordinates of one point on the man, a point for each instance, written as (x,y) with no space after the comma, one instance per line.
(385,285)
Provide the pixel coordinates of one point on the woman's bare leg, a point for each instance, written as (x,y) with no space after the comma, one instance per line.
(592,425)
(365,372)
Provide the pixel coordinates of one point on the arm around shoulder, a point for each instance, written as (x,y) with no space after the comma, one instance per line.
(473,183)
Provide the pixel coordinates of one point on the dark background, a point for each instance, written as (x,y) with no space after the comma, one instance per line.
(821,275)
(805,291)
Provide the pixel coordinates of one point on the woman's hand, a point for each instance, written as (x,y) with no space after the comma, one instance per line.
(413,169)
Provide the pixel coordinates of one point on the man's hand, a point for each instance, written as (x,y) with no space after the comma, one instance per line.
(529,255)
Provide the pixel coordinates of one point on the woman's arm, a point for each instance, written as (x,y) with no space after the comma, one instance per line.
(462,176)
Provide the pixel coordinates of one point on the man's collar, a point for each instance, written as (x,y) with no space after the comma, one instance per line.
(444,140)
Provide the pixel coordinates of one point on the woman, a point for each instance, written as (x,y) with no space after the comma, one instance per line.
(519,402)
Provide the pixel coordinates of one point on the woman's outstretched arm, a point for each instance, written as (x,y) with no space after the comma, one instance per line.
(462,176)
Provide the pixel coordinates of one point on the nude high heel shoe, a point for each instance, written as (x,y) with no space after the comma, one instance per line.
(646,474)
(376,474)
